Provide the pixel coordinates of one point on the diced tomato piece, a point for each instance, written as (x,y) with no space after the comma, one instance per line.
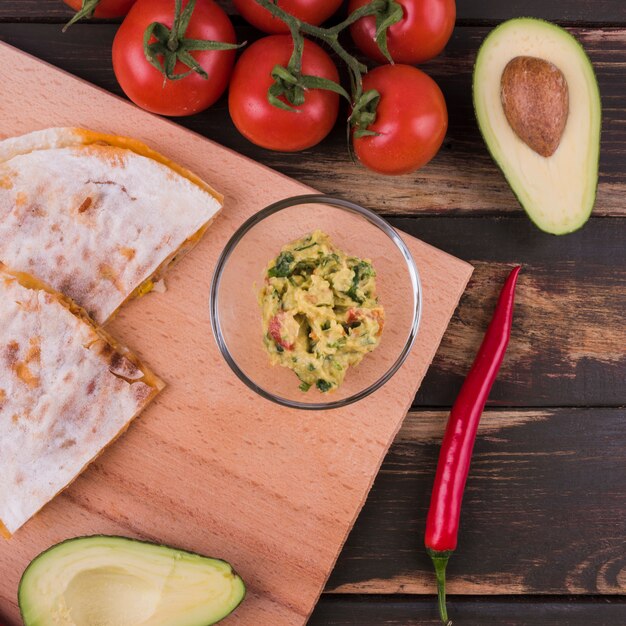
(274,330)
(354,315)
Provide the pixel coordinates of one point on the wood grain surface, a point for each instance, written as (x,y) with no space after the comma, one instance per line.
(342,611)
(463,179)
(535,505)
(278,489)
(569,333)
(549,475)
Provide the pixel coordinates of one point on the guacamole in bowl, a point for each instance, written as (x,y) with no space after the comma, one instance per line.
(320,311)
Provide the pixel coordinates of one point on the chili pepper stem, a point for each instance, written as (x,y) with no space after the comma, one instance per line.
(440,561)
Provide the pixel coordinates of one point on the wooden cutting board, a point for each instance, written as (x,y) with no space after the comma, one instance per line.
(209,466)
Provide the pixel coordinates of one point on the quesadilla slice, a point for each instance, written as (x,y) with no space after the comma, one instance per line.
(67,390)
(98,217)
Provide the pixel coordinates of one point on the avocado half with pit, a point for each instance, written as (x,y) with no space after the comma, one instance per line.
(114,581)
(538,108)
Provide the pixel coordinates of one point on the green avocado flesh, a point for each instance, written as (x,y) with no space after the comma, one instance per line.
(114,581)
(558,192)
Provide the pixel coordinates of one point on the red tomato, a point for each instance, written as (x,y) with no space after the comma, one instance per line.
(420,35)
(266,125)
(146,86)
(311,11)
(411,120)
(104,8)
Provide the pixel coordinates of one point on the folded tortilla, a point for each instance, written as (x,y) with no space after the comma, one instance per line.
(98,217)
(67,390)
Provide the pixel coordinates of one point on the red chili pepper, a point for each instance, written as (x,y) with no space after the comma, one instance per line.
(442,525)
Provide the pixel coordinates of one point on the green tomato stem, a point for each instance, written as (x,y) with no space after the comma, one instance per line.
(87,10)
(172,47)
(389,15)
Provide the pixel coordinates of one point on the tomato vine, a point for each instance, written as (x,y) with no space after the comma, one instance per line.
(291,84)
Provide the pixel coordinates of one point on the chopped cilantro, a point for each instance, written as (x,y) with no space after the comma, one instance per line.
(282,268)
(330,258)
(323,385)
(304,268)
(362,271)
(305,247)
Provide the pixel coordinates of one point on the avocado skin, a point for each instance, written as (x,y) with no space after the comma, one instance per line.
(118,538)
(588,60)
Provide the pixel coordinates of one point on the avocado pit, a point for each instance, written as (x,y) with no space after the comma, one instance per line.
(535,99)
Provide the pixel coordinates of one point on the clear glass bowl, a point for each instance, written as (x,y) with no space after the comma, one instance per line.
(239,274)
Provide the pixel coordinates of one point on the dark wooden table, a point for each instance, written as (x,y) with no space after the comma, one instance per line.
(543,539)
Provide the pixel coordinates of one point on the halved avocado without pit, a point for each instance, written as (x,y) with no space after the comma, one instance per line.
(538,108)
(114,581)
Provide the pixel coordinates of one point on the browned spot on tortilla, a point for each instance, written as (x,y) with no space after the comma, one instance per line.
(34,350)
(66,286)
(116,361)
(106,348)
(15,418)
(108,273)
(3,395)
(55,228)
(21,198)
(91,387)
(141,391)
(6,180)
(68,443)
(38,211)
(68,377)
(11,352)
(111,155)
(85,204)
(23,368)
(129,253)
(25,375)
(19,478)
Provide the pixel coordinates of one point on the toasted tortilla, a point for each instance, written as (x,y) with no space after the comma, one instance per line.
(67,390)
(98,217)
